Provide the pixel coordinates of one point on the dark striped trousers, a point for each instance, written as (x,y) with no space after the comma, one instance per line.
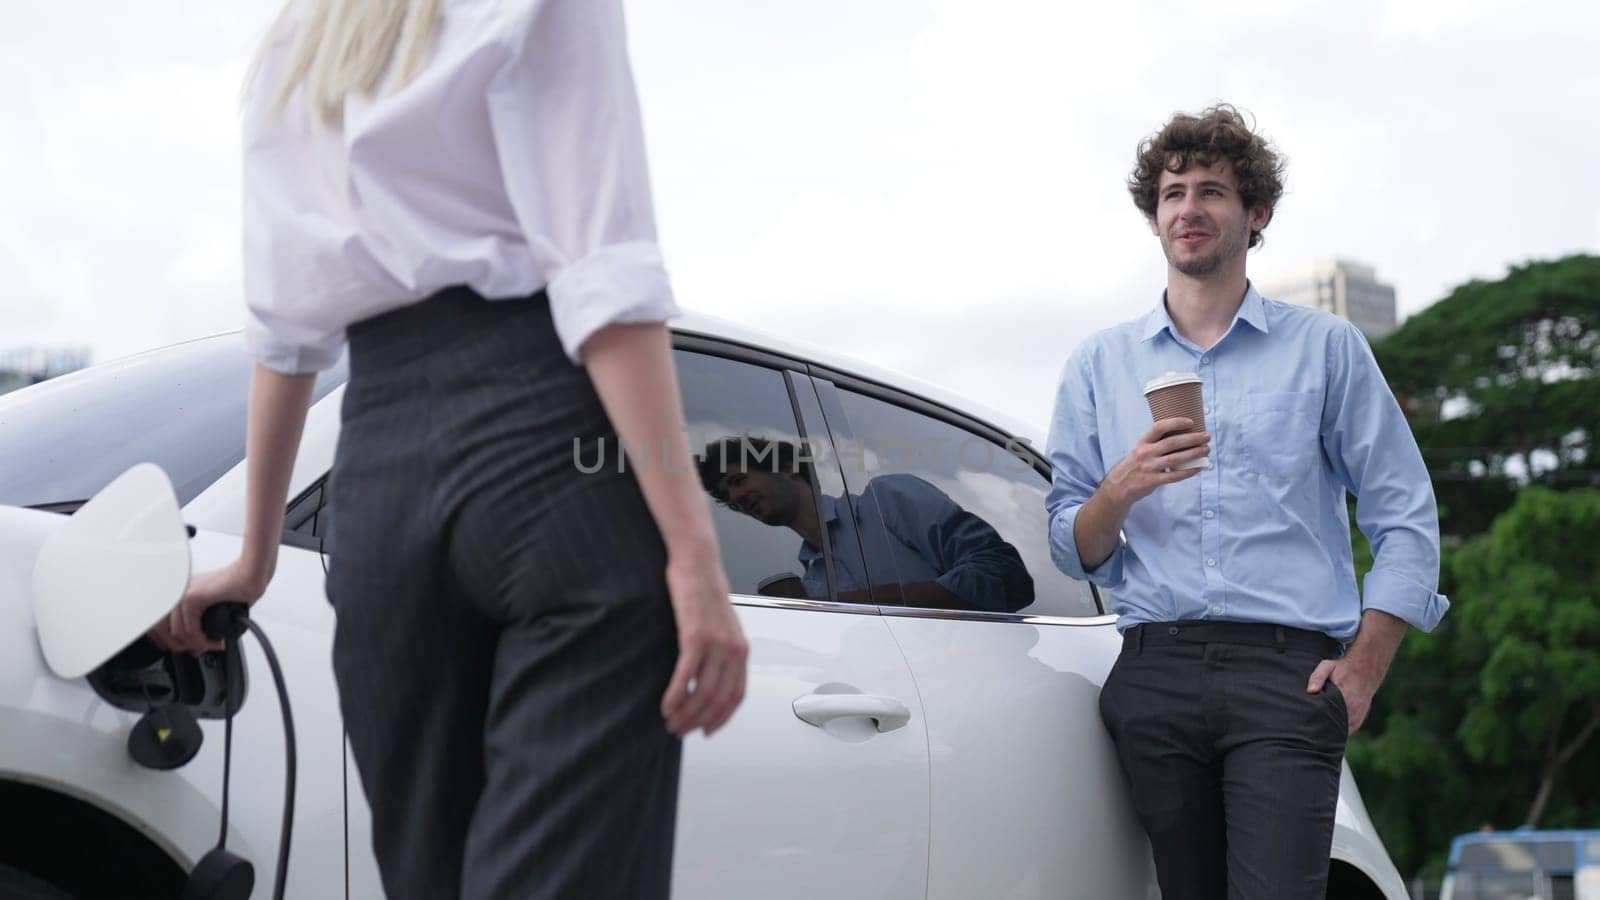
(504,631)
(1234,768)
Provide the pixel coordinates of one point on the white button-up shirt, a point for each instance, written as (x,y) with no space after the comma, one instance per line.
(513,160)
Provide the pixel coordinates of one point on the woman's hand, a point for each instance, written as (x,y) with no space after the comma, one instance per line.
(180,632)
(711,648)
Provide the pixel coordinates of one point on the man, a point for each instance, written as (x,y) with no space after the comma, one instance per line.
(1248,655)
(944,556)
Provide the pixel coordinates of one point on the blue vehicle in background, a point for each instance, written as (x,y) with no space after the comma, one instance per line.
(1524,865)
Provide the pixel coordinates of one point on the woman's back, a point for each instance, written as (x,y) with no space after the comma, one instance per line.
(510,157)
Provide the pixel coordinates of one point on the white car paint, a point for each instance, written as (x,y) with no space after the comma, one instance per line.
(1021,802)
(1001,783)
(774,807)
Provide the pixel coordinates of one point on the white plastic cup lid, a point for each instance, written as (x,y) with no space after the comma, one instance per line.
(1170,379)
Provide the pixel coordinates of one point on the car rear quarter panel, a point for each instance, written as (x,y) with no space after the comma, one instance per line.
(60,734)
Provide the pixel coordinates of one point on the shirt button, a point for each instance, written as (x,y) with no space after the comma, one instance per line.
(1205,360)
(1211,514)
(1216,609)
(1211,563)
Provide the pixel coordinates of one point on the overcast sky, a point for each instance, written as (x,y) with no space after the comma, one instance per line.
(934,185)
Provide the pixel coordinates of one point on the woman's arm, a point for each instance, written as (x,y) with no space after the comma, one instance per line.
(277,417)
(631,367)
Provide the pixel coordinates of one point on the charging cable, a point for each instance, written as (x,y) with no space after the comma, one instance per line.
(221,874)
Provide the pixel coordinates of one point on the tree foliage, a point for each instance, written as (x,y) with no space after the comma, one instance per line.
(1502,381)
(1495,717)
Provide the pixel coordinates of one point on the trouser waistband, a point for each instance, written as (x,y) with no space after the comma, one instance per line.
(1254,634)
(405,333)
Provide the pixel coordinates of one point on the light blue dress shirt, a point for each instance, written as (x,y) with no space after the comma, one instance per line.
(1298,414)
(929,537)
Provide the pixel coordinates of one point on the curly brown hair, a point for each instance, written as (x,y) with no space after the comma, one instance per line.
(1219,132)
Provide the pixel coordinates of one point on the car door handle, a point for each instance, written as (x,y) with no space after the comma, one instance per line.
(886,713)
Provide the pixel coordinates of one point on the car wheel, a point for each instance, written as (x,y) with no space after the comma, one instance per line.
(16,884)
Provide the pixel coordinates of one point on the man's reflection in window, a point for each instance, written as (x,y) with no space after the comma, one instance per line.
(945,557)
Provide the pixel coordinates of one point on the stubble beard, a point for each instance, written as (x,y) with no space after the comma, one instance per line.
(1231,245)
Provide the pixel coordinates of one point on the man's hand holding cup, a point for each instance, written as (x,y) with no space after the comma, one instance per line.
(1176,447)
(1158,458)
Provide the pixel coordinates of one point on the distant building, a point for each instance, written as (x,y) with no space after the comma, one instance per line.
(1347,289)
(22,366)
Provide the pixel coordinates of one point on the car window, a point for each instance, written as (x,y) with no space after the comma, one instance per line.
(754,460)
(181,407)
(963,516)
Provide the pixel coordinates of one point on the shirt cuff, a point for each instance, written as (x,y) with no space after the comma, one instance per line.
(1064,551)
(619,283)
(1403,598)
(291,359)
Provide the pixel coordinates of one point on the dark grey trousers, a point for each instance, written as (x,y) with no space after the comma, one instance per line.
(1234,768)
(504,631)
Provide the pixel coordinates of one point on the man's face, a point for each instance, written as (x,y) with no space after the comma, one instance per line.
(1201,220)
(767,497)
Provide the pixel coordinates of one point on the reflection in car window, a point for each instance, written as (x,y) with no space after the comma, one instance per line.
(181,407)
(960,511)
(752,460)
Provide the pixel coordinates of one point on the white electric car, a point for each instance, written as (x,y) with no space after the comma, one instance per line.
(883,750)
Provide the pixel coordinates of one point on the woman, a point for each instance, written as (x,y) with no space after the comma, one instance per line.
(505,649)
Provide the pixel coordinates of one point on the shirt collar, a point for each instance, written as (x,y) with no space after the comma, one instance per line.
(1253,311)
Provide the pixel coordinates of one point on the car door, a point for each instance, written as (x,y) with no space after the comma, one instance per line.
(1027,797)
(776,806)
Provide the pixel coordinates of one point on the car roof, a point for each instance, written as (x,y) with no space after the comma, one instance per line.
(718,328)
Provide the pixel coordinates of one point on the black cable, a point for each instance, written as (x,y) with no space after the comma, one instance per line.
(230,649)
(290,758)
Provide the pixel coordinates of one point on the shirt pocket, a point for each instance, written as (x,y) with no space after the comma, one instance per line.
(1282,434)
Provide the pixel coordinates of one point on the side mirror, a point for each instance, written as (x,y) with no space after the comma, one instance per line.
(112,571)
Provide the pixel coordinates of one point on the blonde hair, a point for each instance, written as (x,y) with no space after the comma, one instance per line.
(348,45)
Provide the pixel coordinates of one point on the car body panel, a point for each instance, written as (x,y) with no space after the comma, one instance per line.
(61,735)
(1027,796)
(1356,840)
(774,807)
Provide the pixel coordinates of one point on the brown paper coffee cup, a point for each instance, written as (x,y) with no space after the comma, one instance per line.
(1179,394)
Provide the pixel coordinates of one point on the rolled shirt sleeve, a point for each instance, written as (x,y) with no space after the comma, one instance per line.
(1372,451)
(1077,468)
(291,323)
(617,284)
(566,126)
(290,358)
(1397,595)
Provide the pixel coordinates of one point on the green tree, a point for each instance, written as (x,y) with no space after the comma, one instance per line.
(1533,584)
(1492,719)
(1502,383)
